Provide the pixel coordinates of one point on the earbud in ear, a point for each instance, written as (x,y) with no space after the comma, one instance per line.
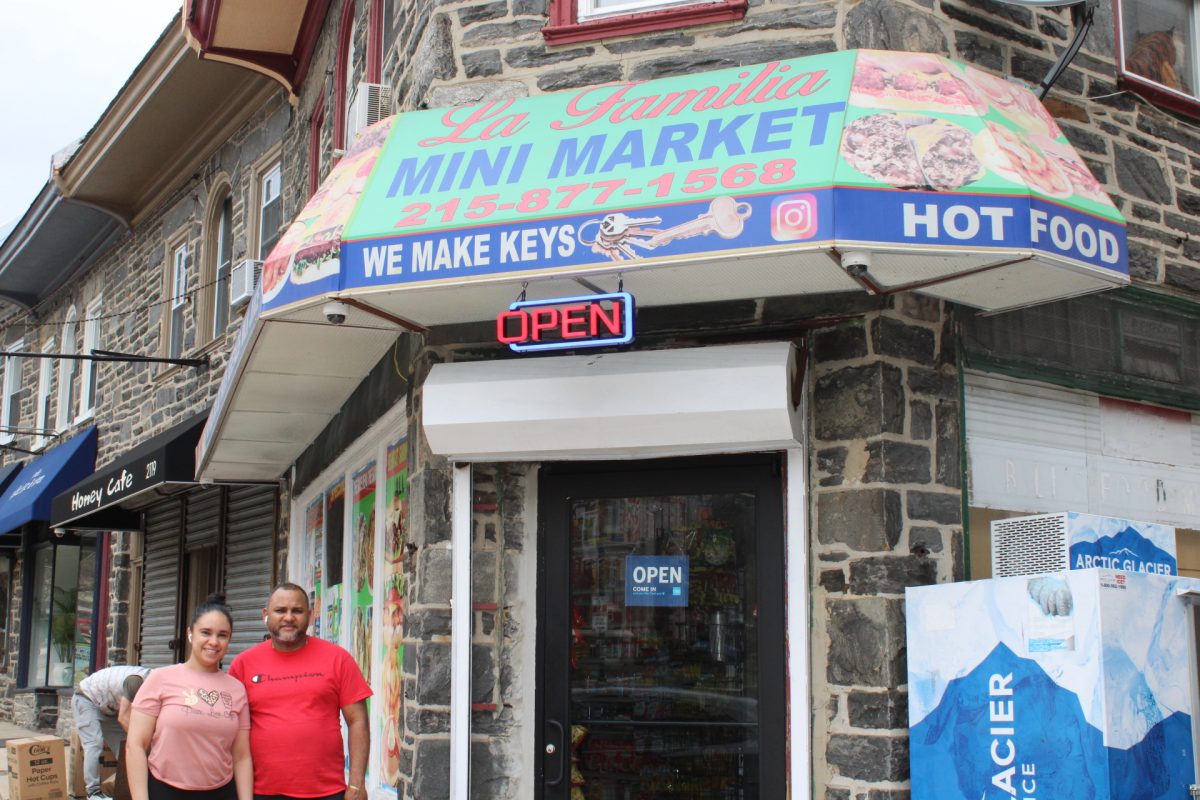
(189,637)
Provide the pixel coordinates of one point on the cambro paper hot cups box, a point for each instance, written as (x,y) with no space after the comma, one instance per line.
(37,768)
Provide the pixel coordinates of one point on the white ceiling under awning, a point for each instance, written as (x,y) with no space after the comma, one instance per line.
(295,375)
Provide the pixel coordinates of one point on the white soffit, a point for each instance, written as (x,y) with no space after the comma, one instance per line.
(736,398)
(298,375)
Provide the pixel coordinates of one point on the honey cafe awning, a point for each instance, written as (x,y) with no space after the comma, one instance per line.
(867,170)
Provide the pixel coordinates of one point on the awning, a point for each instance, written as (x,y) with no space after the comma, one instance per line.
(869,170)
(28,497)
(650,403)
(102,501)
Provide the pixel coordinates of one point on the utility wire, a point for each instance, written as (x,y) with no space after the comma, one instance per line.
(29,325)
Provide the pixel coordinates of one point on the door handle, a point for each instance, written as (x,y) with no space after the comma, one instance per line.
(559,749)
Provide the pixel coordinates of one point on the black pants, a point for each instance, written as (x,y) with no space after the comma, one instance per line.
(257,796)
(157,790)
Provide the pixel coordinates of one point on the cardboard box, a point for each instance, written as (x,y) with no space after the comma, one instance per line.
(108,768)
(37,768)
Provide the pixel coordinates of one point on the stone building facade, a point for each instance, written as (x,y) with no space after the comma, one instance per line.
(887,483)
(887,473)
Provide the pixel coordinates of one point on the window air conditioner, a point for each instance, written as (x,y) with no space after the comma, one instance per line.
(243,280)
(371,103)
(1044,543)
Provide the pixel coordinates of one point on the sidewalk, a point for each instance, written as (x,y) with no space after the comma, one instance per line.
(10,731)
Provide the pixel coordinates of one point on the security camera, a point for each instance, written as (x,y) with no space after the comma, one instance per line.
(335,312)
(856,262)
(60,532)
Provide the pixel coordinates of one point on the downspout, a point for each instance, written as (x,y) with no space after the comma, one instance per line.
(460,633)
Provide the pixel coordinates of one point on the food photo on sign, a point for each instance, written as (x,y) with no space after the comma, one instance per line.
(999,129)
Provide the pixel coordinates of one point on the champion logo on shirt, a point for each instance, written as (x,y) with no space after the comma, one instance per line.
(264,678)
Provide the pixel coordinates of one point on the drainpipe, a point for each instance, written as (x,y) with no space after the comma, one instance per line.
(460,634)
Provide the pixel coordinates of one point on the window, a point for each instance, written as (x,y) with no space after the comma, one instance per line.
(219,262)
(61,603)
(90,369)
(270,209)
(10,412)
(590,20)
(383,23)
(175,320)
(45,397)
(315,124)
(344,77)
(6,572)
(1159,54)
(66,373)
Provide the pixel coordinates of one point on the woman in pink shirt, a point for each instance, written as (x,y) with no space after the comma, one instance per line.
(189,732)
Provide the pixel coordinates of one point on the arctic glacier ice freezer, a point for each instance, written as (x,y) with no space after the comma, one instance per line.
(1078,685)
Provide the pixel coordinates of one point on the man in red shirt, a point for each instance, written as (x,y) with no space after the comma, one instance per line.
(297,685)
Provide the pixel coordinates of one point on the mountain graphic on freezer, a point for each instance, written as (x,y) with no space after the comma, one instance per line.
(951,750)
(1128,550)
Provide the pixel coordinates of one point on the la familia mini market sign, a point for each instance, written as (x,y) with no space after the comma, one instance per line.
(854,148)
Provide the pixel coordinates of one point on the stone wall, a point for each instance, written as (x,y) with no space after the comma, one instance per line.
(886,502)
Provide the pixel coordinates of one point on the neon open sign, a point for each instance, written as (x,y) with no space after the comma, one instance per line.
(592,320)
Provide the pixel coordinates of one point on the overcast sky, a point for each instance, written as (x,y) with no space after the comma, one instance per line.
(61,62)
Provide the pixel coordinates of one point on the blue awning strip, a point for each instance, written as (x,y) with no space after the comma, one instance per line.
(28,497)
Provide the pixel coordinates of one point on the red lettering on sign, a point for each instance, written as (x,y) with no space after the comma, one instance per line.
(569,322)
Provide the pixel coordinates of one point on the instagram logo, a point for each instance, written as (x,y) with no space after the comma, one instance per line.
(794,217)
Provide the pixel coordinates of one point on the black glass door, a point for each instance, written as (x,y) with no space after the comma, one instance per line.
(662,652)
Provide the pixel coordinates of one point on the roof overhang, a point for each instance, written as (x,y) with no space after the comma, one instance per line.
(56,239)
(275,38)
(158,130)
(446,216)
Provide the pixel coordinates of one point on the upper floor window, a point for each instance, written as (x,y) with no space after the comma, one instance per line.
(67,387)
(218,262)
(315,124)
(383,37)
(45,396)
(10,403)
(1160,54)
(343,75)
(590,20)
(90,369)
(270,209)
(178,302)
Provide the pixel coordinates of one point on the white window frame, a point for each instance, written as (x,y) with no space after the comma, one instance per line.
(222,270)
(88,374)
(270,188)
(11,388)
(176,319)
(590,9)
(45,385)
(68,371)
(1157,17)
(350,88)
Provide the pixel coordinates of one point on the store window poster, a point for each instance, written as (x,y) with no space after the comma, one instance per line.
(335,524)
(391,629)
(310,568)
(363,568)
